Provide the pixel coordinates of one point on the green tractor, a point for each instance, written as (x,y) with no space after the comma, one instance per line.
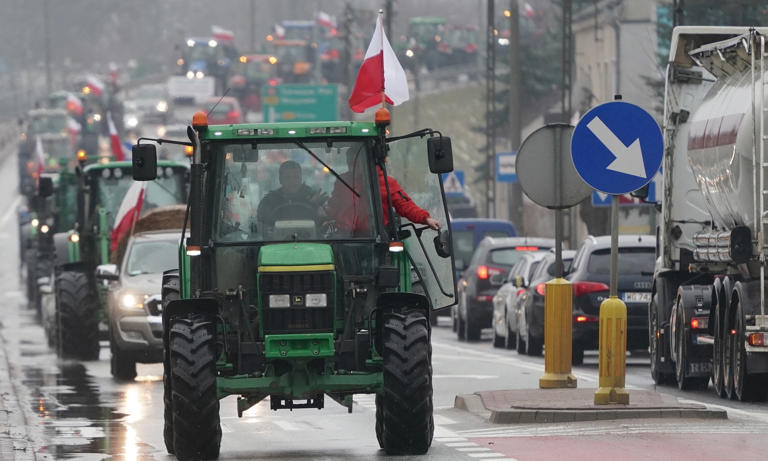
(296,301)
(76,312)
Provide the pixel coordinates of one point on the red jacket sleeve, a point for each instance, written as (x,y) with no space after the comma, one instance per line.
(401,202)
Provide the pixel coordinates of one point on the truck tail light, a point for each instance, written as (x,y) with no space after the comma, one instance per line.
(699,323)
(758,339)
(583,288)
(586,319)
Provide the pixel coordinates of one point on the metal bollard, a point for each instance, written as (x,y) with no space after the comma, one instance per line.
(613,351)
(558,334)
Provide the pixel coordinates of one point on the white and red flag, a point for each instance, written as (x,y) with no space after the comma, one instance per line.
(325,20)
(94,84)
(39,157)
(128,213)
(114,138)
(279,31)
(381,77)
(220,33)
(74,105)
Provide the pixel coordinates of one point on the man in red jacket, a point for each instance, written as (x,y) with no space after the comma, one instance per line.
(350,211)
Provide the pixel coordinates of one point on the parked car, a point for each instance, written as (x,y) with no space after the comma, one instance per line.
(590,277)
(223,110)
(133,300)
(477,285)
(529,308)
(150,103)
(504,314)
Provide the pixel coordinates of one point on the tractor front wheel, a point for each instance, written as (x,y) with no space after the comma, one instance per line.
(77,312)
(196,424)
(404,411)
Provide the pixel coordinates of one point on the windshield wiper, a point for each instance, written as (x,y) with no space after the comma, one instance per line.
(301,144)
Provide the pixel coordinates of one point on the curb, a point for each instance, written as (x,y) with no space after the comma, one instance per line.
(15,441)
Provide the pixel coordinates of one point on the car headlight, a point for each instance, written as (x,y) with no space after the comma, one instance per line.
(162,106)
(279,301)
(131,122)
(130,301)
(316,299)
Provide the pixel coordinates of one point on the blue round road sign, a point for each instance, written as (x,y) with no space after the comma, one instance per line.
(617,147)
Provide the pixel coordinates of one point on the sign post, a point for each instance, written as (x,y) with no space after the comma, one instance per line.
(547,176)
(616,148)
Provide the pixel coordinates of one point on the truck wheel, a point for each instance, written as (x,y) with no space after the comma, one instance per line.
(122,366)
(718,375)
(654,342)
(684,382)
(745,386)
(406,404)
(728,340)
(77,311)
(170,292)
(196,424)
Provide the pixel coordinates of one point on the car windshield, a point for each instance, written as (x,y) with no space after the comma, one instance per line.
(152,257)
(632,261)
(201,52)
(49,124)
(111,184)
(293,191)
(505,256)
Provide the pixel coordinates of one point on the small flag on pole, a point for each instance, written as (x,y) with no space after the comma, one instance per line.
(117,147)
(128,213)
(381,77)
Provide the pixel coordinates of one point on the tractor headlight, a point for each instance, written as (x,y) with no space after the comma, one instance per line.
(279,301)
(199,74)
(162,106)
(35,222)
(316,299)
(190,74)
(44,228)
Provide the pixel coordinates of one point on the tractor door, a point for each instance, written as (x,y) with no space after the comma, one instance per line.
(429,250)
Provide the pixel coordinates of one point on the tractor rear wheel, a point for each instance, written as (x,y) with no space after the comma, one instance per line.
(196,424)
(404,409)
(170,292)
(77,311)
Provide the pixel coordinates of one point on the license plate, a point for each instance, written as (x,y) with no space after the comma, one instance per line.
(637,297)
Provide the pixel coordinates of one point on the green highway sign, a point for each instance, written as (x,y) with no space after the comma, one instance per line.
(300,103)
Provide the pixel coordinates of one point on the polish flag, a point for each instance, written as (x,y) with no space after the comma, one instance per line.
(220,33)
(380,75)
(528,9)
(325,20)
(39,157)
(279,31)
(74,105)
(117,146)
(94,84)
(128,213)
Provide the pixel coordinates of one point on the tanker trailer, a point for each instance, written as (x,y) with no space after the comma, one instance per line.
(707,316)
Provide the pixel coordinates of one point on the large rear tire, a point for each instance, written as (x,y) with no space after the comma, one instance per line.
(77,312)
(405,406)
(170,292)
(746,386)
(656,350)
(718,372)
(196,424)
(684,382)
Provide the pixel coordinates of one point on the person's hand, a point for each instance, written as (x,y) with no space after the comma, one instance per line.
(318,198)
(433,223)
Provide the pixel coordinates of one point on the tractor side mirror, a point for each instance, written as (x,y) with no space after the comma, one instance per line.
(442,248)
(45,186)
(440,154)
(107,272)
(144,162)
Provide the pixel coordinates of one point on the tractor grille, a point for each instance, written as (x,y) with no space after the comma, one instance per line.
(297,317)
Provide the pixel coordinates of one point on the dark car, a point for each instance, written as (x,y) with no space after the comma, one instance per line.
(590,277)
(529,308)
(480,281)
(504,314)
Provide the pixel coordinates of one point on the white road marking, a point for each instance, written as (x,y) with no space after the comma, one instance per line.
(450,439)
(464,376)
(473,449)
(487,455)
(10,211)
(461,444)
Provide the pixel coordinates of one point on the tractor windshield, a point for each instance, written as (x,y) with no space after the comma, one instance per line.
(110,185)
(293,191)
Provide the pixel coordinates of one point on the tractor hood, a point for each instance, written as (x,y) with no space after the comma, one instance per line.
(296,254)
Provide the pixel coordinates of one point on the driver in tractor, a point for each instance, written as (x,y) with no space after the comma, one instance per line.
(345,201)
(293,200)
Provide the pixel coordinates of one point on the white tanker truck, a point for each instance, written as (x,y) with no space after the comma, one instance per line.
(708,316)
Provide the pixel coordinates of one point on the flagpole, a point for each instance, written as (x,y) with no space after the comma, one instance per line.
(383,68)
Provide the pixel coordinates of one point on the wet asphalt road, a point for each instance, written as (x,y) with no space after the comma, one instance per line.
(74,410)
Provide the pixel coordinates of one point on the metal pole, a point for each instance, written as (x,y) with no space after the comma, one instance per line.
(490,109)
(252,44)
(558,213)
(614,245)
(46,31)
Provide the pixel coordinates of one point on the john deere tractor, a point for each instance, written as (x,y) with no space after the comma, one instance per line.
(73,318)
(295,300)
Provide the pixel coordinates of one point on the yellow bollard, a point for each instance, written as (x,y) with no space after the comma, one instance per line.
(613,351)
(558,334)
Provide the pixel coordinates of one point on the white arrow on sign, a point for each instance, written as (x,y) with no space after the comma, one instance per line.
(629,159)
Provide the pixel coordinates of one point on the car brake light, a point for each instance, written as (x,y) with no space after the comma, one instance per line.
(484,298)
(233,114)
(699,323)
(528,248)
(483,272)
(541,288)
(520,291)
(586,318)
(583,288)
(758,339)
